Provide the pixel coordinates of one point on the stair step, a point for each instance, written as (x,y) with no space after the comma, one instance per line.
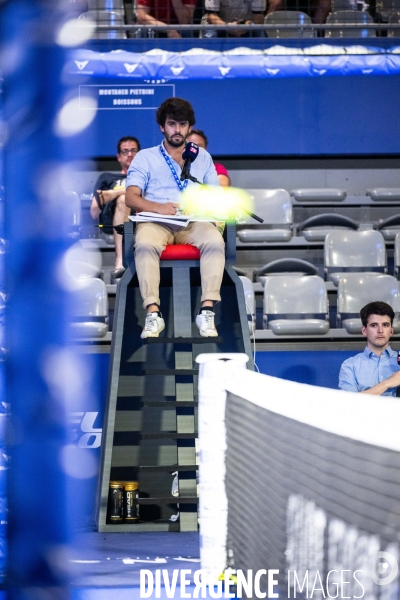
(168,468)
(170,404)
(168,435)
(169,500)
(133,438)
(184,340)
(170,371)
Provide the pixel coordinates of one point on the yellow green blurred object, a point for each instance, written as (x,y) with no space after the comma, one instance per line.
(221,203)
(231,576)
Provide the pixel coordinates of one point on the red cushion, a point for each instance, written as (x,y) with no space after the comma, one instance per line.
(180,252)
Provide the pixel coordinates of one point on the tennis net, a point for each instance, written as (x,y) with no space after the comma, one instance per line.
(298,484)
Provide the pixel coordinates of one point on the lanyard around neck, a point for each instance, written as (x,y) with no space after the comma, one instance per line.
(181,186)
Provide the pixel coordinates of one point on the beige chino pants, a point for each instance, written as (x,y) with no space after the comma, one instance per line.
(150,241)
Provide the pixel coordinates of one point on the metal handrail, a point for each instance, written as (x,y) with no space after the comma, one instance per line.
(250,27)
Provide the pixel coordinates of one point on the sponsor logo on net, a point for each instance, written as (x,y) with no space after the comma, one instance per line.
(265,583)
(387,569)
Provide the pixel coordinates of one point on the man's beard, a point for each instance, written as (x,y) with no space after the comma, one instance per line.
(175,143)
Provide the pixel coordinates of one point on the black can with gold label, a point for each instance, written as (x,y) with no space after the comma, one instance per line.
(116,501)
(131,505)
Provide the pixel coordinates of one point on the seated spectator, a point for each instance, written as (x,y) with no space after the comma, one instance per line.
(235,12)
(108,201)
(374,371)
(165,12)
(199,137)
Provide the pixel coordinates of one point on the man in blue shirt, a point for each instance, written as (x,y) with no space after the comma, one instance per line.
(153,184)
(374,371)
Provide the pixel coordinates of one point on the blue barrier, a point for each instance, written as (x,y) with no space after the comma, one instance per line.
(4,458)
(273,63)
(43,374)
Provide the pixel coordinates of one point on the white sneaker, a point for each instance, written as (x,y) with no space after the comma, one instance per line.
(175,484)
(153,325)
(205,323)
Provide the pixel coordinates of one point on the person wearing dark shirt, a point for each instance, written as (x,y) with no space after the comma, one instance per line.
(234,12)
(108,201)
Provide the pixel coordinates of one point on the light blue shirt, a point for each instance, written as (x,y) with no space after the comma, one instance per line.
(365,370)
(150,172)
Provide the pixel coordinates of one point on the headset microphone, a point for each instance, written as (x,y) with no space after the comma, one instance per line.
(189,154)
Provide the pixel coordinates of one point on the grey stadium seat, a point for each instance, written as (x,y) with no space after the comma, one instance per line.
(389,228)
(353,251)
(285,266)
(317,227)
(357,290)
(296,305)
(349,17)
(81,263)
(384,194)
(89,309)
(88,300)
(250,300)
(318,195)
(286,17)
(105,17)
(275,207)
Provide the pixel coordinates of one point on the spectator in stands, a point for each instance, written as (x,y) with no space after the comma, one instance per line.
(154,185)
(235,12)
(318,10)
(108,201)
(374,371)
(165,12)
(199,137)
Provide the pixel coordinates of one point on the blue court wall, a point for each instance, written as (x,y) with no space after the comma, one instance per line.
(286,116)
(312,367)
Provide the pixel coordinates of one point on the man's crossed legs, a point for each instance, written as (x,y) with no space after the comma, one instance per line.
(150,241)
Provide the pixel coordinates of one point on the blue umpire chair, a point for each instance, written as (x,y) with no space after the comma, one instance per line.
(150,428)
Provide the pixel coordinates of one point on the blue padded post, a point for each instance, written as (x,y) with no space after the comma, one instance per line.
(41,371)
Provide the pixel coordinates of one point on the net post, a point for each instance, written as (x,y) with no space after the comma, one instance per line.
(213,506)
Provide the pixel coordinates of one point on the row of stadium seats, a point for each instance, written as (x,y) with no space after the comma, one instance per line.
(279,18)
(384,8)
(344,12)
(275,207)
(346,17)
(344,252)
(278,208)
(298,305)
(292,305)
(334,195)
(355,262)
